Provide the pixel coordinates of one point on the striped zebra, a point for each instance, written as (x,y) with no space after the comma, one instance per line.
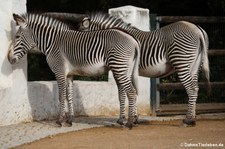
(180,47)
(69,52)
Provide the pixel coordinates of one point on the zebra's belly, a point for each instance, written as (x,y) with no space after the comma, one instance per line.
(158,70)
(90,70)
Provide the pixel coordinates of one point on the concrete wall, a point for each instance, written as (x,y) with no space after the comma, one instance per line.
(138,17)
(14,103)
(25,101)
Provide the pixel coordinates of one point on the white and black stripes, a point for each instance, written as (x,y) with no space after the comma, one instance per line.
(175,47)
(69,53)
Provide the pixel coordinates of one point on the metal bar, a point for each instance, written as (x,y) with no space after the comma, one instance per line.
(153,95)
(179,86)
(66,16)
(153,82)
(216,52)
(194,19)
(182,108)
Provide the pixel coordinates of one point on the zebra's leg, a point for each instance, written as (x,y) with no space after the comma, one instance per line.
(70,100)
(122,98)
(136,116)
(191,86)
(192,92)
(121,81)
(190,119)
(62,98)
(132,95)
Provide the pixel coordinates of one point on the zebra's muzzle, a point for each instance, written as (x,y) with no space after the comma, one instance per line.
(13,61)
(11,58)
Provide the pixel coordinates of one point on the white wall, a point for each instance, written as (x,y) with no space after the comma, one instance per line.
(5,37)
(22,101)
(138,17)
(90,98)
(14,103)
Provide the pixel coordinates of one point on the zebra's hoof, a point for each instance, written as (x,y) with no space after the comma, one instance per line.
(59,123)
(69,122)
(130,122)
(120,121)
(136,122)
(129,125)
(189,122)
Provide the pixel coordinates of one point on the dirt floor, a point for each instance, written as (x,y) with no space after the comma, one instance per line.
(148,135)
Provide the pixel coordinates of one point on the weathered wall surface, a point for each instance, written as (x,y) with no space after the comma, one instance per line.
(24,101)
(90,98)
(14,103)
(138,17)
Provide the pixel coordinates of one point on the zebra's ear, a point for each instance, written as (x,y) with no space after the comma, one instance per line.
(86,22)
(19,20)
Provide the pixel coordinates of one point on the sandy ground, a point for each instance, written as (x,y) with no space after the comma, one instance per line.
(148,135)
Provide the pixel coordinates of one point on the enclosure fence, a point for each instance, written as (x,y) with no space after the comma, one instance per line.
(169,96)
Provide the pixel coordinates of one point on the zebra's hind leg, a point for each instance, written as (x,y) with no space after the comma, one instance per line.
(69,94)
(191,86)
(136,116)
(132,95)
(121,120)
(189,122)
(122,98)
(136,122)
(190,119)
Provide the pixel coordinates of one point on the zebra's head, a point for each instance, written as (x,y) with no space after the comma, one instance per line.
(23,41)
(99,20)
(84,25)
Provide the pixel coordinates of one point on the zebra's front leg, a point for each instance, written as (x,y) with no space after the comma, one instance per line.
(62,99)
(62,113)
(69,120)
(122,98)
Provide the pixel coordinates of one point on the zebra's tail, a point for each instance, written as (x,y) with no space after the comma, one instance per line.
(205,61)
(136,67)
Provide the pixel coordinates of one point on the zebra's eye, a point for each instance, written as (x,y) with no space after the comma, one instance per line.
(17,36)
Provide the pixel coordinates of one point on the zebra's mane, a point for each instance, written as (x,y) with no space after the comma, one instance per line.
(45,20)
(100,18)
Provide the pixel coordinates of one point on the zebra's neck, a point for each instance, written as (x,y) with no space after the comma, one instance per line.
(45,28)
(45,41)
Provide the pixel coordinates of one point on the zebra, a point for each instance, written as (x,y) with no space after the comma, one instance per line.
(179,47)
(69,52)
